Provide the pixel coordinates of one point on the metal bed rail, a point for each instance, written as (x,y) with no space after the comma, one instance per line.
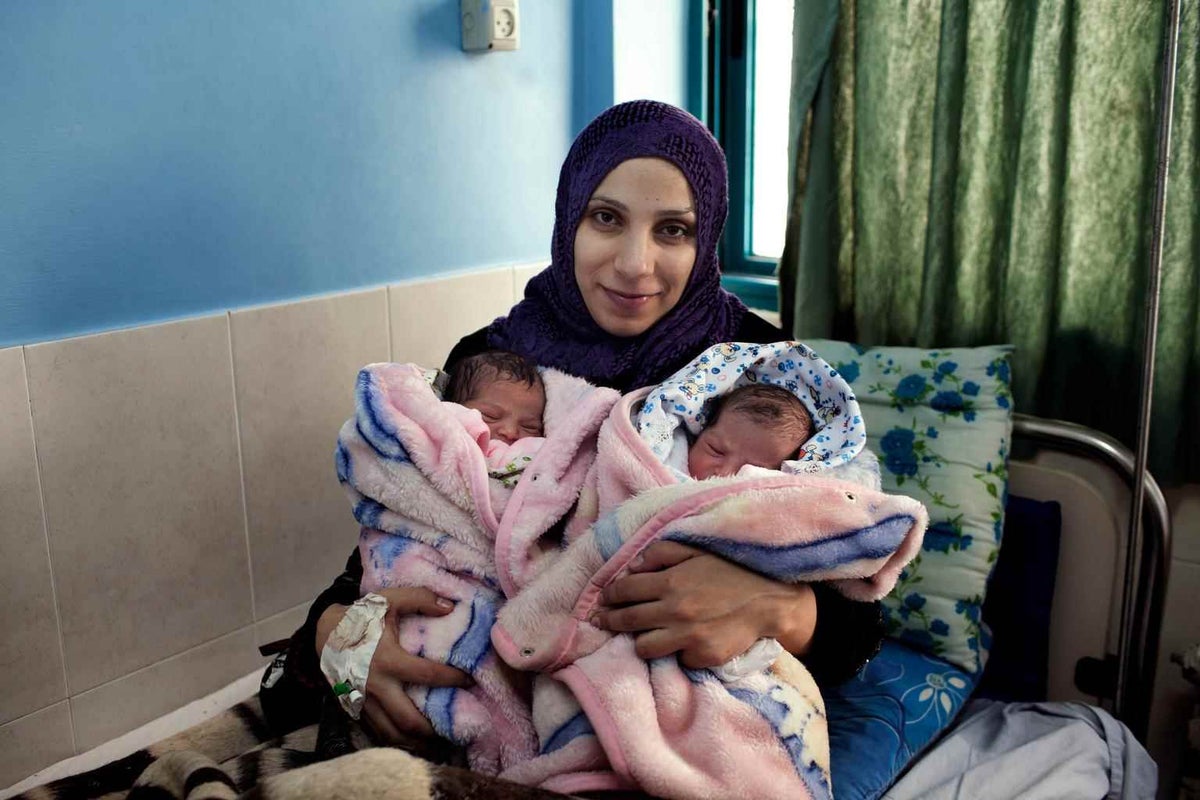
(1147,549)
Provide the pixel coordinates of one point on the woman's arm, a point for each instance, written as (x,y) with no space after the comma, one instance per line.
(387,710)
(303,655)
(848,634)
(709,610)
(293,687)
(294,696)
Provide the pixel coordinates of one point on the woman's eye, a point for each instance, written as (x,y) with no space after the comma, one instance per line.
(604,217)
(676,231)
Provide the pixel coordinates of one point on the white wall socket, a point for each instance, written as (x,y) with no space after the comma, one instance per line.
(490,25)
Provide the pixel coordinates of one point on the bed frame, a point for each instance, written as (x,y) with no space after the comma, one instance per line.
(1113,588)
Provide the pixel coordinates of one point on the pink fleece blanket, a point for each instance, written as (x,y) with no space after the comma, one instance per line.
(417,475)
(672,731)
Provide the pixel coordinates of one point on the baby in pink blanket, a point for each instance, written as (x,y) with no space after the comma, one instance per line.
(759,425)
(507,391)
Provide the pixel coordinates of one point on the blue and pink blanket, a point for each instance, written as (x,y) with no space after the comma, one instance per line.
(598,716)
(676,732)
(418,481)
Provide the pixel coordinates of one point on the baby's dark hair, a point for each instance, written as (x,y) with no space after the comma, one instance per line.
(768,404)
(472,372)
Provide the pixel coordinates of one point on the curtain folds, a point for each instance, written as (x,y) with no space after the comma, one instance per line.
(977,173)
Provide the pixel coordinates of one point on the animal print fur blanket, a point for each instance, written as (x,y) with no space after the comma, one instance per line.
(233,755)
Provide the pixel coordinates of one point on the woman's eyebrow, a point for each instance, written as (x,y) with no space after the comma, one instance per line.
(617,204)
(599,198)
(674,212)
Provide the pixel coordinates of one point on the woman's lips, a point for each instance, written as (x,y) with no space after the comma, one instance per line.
(628,302)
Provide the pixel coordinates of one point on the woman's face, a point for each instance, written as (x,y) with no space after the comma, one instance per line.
(636,245)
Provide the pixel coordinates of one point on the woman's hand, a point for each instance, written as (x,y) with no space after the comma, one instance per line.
(703,607)
(387,709)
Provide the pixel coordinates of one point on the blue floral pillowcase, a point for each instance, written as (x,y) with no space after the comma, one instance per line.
(940,422)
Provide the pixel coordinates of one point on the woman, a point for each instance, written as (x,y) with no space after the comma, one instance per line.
(633,293)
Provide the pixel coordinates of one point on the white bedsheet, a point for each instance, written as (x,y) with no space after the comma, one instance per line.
(1056,751)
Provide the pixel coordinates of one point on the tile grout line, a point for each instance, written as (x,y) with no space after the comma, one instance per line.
(248,628)
(62,644)
(237,429)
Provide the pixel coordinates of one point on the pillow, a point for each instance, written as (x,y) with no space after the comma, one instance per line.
(941,422)
(883,718)
(1017,608)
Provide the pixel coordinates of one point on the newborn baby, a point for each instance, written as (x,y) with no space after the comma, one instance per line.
(758,424)
(507,391)
(764,426)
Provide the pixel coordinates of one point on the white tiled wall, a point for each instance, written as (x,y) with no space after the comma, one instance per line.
(428,317)
(137,450)
(167,498)
(294,366)
(32,645)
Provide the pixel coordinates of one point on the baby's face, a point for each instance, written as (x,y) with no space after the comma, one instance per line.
(734,441)
(511,409)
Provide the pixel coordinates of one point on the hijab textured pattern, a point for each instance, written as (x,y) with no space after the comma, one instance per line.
(552,325)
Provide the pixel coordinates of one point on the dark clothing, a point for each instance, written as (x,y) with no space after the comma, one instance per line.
(752,328)
(848,633)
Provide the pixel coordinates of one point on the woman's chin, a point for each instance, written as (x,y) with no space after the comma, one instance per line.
(626,327)
(624,320)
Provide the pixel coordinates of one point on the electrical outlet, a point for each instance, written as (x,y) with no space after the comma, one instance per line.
(490,25)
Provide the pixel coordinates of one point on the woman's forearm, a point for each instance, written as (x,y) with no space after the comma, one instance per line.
(328,620)
(795,620)
(846,635)
(303,658)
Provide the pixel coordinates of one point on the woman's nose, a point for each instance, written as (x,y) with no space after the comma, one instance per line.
(633,259)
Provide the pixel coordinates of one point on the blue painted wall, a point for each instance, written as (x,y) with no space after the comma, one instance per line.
(164,159)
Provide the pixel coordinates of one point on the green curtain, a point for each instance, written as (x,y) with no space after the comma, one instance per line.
(977,173)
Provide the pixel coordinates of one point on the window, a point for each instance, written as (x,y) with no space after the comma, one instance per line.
(749,82)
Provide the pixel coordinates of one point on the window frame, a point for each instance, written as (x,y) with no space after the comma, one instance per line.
(729,74)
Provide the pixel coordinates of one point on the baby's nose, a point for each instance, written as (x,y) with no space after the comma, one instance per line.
(728,468)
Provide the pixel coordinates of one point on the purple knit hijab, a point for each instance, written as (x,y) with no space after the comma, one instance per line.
(552,325)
